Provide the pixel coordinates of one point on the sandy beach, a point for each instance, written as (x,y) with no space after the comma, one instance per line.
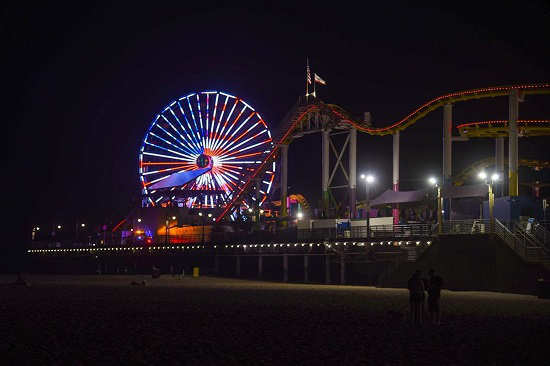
(86,320)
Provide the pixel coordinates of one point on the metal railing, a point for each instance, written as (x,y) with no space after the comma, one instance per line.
(376,232)
(520,242)
(463,227)
(539,231)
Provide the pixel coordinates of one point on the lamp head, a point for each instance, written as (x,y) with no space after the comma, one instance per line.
(482,175)
(432,181)
(495,177)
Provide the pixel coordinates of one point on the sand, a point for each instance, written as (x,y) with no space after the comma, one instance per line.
(86,320)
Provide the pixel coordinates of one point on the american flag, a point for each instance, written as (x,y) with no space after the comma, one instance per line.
(319,80)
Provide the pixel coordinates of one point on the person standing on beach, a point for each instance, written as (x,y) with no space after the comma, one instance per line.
(434,295)
(416,297)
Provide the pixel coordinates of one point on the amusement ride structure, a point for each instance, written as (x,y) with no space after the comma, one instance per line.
(311,115)
(211,150)
(200,149)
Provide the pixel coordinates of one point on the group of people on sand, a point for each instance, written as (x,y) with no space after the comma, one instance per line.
(418,286)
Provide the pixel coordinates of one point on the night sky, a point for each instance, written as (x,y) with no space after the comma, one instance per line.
(83,82)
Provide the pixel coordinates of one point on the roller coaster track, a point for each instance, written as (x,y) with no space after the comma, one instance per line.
(300,111)
(499,128)
(476,167)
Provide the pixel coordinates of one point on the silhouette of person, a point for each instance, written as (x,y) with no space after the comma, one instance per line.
(434,296)
(416,297)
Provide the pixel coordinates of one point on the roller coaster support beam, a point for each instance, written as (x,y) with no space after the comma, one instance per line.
(447,153)
(513,106)
(284,180)
(325,174)
(499,161)
(395,210)
(352,171)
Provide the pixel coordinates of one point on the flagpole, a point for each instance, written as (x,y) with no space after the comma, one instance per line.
(307,83)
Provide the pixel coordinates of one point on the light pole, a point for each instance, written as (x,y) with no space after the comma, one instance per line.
(81,226)
(35,231)
(202,236)
(433,182)
(494,178)
(369,180)
(167,222)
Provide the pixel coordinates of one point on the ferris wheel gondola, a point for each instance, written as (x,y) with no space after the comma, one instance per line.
(200,149)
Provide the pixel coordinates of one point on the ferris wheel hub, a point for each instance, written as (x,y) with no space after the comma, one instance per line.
(203,161)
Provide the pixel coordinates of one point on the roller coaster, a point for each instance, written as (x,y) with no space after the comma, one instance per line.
(332,117)
(499,128)
(472,170)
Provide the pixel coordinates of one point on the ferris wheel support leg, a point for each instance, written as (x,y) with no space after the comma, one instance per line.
(352,172)
(395,210)
(325,175)
(513,107)
(499,162)
(284,180)
(447,154)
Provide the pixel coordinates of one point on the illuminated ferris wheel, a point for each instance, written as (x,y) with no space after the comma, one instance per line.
(200,149)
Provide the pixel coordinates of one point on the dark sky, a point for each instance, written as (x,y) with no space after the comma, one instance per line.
(84,81)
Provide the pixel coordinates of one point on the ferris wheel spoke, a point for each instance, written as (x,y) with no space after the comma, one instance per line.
(164,156)
(200,119)
(215,112)
(230,177)
(183,147)
(190,129)
(228,158)
(220,120)
(197,130)
(233,123)
(189,148)
(207,117)
(211,129)
(184,168)
(223,137)
(187,138)
(230,139)
(220,137)
(225,144)
(181,142)
(167,142)
(247,140)
(146,163)
(190,157)
(157,180)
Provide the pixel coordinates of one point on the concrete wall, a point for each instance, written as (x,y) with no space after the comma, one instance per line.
(473,263)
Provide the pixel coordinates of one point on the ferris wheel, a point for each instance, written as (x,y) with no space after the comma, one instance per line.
(200,149)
